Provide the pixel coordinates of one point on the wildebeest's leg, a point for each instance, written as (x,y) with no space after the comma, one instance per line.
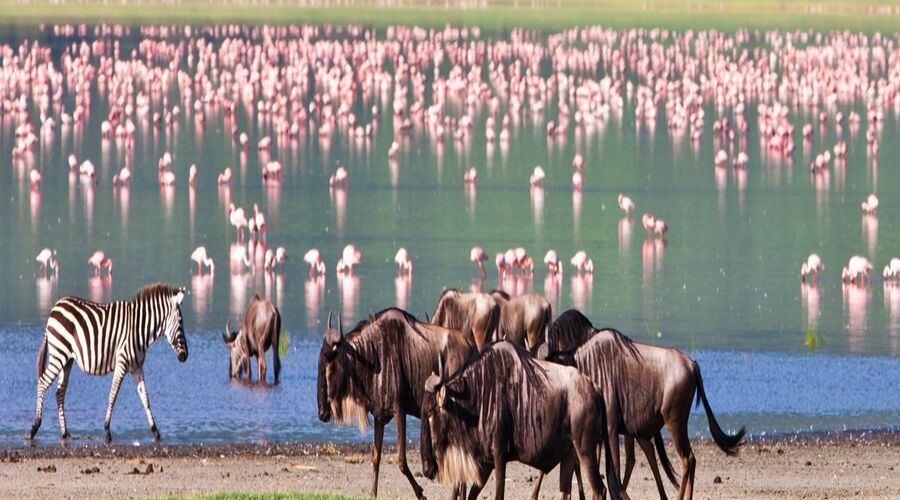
(276,360)
(650,453)
(145,400)
(61,397)
(678,429)
(614,453)
(401,454)
(261,362)
(500,475)
(580,480)
(118,375)
(536,491)
(566,468)
(376,454)
(629,460)
(587,457)
(475,490)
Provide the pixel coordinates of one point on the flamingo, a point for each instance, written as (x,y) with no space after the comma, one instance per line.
(269,262)
(501,263)
(537,177)
(238,219)
(260,217)
(394,149)
(202,259)
(858,269)
(811,268)
(46,259)
(315,262)
(167,178)
(578,162)
(582,263)
(339,179)
(281,257)
(99,260)
(649,222)
(660,228)
(192,175)
(870,205)
(470,176)
(892,270)
(626,204)
(122,177)
(349,258)
(404,264)
(721,158)
(577,180)
(553,262)
(73,161)
(225,176)
(478,256)
(35,180)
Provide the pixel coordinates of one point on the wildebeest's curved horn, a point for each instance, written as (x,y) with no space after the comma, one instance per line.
(228,336)
(432,382)
(329,319)
(341,324)
(441,370)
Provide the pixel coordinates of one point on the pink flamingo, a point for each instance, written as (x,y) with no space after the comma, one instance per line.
(858,270)
(394,149)
(238,219)
(260,217)
(553,262)
(811,268)
(660,228)
(192,175)
(316,266)
(649,222)
(73,161)
(626,204)
(340,178)
(167,178)
(202,259)
(470,176)
(478,256)
(577,180)
(35,180)
(225,176)
(501,263)
(582,263)
(892,270)
(578,161)
(122,177)
(281,257)
(349,258)
(404,264)
(47,259)
(870,205)
(99,260)
(269,262)
(537,177)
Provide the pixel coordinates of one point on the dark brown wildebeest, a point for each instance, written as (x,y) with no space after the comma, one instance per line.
(644,387)
(506,406)
(477,315)
(260,330)
(523,319)
(380,367)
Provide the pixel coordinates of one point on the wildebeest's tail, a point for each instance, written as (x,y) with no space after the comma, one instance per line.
(42,358)
(612,478)
(728,444)
(664,459)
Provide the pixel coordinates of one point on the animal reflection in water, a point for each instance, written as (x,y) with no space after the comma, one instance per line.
(260,331)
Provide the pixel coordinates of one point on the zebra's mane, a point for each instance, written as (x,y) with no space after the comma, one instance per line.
(154,291)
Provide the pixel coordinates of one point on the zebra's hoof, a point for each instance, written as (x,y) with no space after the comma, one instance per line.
(108,438)
(65,436)
(156,436)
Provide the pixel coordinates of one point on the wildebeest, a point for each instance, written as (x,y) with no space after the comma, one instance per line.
(523,319)
(506,406)
(477,315)
(260,330)
(644,387)
(380,367)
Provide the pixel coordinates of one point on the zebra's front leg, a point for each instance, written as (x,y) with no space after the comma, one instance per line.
(118,375)
(145,400)
(60,399)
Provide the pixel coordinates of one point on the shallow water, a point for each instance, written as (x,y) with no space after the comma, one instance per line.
(724,288)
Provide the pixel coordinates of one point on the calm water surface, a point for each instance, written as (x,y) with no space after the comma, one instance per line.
(724,288)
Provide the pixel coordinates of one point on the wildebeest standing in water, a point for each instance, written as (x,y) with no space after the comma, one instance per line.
(260,330)
(477,315)
(506,406)
(644,387)
(380,367)
(523,319)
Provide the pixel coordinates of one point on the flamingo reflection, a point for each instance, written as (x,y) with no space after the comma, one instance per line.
(582,287)
(856,304)
(46,290)
(100,288)
(402,290)
(892,304)
(811,298)
(314,297)
(202,294)
(348,284)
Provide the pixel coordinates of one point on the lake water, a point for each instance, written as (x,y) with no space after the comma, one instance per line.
(724,288)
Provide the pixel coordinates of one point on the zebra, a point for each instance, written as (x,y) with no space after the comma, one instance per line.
(102,338)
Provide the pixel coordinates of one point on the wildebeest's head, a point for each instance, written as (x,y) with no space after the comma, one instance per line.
(238,351)
(336,393)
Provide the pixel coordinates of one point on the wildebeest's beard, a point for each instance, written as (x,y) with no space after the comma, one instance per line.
(441,441)
(345,395)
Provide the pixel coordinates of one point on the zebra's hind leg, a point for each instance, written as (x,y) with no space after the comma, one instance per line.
(113,394)
(145,400)
(45,380)
(61,397)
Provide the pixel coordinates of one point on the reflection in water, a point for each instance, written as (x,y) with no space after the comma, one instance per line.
(239,284)
(349,289)
(46,290)
(652,252)
(856,304)
(167,195)
(100,288)
(35,199)
(892,304)
(870,232)
(123,194)
(314,298)
(576,213)
(552,286)
(537,208)
(516,284)
(625,226)
(811,297)
(202,294)
(339,198)
(582,286)
(402,289)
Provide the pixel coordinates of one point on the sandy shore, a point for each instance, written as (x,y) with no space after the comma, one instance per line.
(832,466)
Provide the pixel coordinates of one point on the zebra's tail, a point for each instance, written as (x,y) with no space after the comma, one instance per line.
(42,358)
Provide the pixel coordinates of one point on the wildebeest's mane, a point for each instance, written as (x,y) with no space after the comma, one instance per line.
(154,291)
(572,329)
(496,352)
(501,293)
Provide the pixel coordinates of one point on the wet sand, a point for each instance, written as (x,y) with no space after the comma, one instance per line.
(821,466)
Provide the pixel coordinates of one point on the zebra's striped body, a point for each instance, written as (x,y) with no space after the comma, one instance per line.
(104,338)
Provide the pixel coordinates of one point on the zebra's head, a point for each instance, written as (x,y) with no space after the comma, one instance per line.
(173,327)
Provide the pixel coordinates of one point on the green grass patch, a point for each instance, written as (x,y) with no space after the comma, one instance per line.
(725,15)
(238,495)
(813,340)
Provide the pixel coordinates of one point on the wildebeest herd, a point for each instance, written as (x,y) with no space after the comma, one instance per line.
(490,377)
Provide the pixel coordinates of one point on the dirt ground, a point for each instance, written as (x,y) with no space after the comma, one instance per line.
(836,466)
